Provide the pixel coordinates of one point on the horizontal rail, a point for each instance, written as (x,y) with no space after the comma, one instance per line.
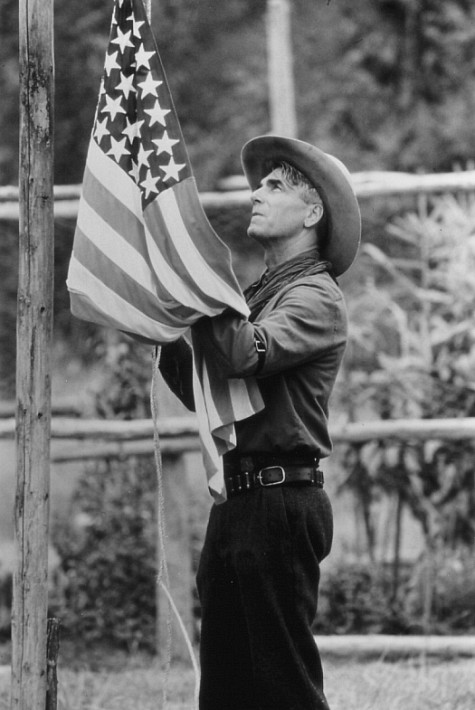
(79,439)
(367,185)
(392,647)
(67,451)
(61,406)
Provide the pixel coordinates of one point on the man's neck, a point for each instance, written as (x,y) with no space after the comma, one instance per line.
(278,252)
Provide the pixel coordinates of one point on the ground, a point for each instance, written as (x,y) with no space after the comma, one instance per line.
(115,681)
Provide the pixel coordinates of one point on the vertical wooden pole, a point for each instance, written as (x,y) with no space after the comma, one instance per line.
(34,335)
(280,69)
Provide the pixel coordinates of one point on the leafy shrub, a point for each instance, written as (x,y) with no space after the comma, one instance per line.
(356,598)
(452,586)
(107,547)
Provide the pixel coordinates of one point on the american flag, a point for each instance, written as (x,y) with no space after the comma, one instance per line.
(145,258)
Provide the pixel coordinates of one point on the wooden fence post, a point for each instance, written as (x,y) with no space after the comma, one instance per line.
(34,334)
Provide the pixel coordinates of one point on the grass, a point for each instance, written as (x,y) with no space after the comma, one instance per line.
(374,685)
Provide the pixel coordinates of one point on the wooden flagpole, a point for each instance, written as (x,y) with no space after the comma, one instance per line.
(34,335)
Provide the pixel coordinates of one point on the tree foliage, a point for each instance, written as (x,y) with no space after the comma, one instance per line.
(382,83)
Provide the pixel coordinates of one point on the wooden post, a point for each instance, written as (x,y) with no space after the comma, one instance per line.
(280,69)
(178,557)
(52,652)
(34,333)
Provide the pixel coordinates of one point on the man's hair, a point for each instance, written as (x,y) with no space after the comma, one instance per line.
(295,177)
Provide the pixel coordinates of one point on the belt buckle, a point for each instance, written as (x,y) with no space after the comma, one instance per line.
(272,483)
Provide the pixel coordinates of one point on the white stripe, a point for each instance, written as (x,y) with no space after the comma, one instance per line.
(242,402)
(214,465)
(207,279)
(82,282)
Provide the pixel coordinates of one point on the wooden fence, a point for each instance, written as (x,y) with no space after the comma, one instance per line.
(367,185)
(74,439)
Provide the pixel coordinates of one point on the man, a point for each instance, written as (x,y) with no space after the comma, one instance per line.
(259,570)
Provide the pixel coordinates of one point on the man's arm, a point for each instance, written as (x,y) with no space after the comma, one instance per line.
(307,322)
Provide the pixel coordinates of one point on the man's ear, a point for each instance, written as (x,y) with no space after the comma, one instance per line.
(314,215)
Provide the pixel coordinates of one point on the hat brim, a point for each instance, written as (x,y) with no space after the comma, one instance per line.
(330,178)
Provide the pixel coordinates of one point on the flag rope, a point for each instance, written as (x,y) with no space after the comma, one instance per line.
(163,579)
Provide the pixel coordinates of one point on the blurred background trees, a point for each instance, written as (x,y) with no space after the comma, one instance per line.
(383,83)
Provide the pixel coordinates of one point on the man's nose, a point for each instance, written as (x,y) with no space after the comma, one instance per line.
(256,196)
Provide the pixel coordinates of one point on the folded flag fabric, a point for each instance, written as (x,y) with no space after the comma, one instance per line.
(145,258)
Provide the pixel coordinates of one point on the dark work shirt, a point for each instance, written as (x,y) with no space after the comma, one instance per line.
(304,331)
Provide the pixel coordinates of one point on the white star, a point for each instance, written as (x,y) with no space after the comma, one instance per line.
(123,40)
(101,130)
(137,25)
(126,85)
(142,57)
(135,172)
(164,144)
(149,86)
(132,130)
(118,148)
(113,106)
(172,169)
(111,63)
(157,114)
(149,184)
(142,156)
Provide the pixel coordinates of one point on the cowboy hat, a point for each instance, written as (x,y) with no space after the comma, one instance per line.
(328,175)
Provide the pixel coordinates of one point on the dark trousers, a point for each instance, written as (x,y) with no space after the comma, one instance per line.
(258,583)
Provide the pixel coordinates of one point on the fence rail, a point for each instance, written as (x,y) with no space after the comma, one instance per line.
(367,185)
(81,439)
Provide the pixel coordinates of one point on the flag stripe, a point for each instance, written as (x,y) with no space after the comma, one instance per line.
(117,279)
(102,200)
(203,274)
(208,243)
(108,240)
(95,295)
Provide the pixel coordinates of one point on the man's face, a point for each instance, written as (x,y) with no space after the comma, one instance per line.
(278,209)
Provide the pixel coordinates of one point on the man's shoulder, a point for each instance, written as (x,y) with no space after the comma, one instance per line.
(320,284)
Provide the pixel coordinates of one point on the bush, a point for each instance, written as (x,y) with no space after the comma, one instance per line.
(107,547)
(358,598)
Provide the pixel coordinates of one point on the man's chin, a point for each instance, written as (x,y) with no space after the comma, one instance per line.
(254,233)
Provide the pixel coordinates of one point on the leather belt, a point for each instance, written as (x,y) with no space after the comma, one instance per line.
(239,480)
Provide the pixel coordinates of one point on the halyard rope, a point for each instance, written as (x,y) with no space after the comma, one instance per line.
(163,579)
